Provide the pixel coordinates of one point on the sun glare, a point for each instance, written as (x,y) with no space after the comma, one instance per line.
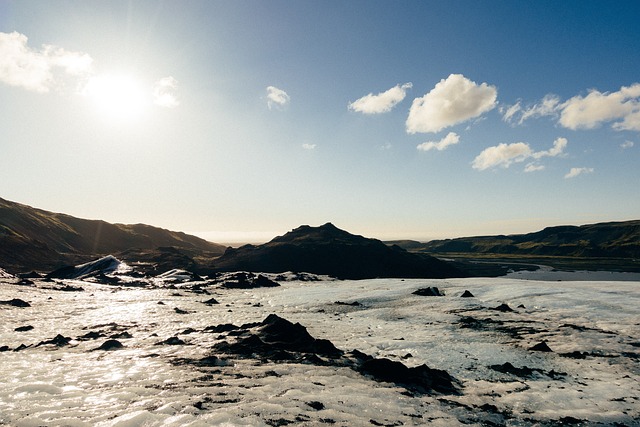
(116,96)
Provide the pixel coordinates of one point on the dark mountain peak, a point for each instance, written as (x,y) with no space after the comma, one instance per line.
(324,234)
(329,250)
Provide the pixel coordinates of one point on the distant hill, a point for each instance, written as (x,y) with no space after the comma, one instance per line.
(603,240)
(32,238)
(329,250)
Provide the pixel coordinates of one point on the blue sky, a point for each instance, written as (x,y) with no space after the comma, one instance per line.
(242,120)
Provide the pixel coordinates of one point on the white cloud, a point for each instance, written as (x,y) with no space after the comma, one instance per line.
(452,138)
(505,154)
(626,144)
(453,100)
(277,97)
(309,146)
(596,108)
(533,167)
(578,171)
(34,70)
(502,155)
(558,148)
(382,102)
(164,92)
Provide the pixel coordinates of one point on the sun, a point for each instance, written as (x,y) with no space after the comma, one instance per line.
(116,96)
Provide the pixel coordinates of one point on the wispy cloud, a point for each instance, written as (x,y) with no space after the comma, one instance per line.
(36,70)
(277,97)
(577,171)
(453,100)
(504,155)
(165,92)
(308,146)
(533,167)
(626,144)
(452,138)
(382,102)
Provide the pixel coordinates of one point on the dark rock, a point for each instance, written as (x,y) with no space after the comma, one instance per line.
(431,291)
(502,307)
(122,335)
(226,327)
(575,355)
(508,368)
(21,347)
(58,341)
(211,301)
(318,406)
(541,346)
(420,378)
(93,335)
(4,348)
(172,341)
(25,282)
(243,280)
(467,294)
(69,288)
(16,302)
(161,303)
(30,275)
(180,311)
(521,306)
(110,345)
(23,328)
(353,304)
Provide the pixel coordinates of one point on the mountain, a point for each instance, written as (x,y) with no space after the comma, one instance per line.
(32,238)
(604,240)
(329,250)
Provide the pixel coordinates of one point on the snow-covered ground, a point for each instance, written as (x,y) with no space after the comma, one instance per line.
(591,376)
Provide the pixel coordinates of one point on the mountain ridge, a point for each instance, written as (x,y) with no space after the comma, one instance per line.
(619,239)
(32,238)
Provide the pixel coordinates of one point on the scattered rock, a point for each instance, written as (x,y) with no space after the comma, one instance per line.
(180,311)
(110,345)
(226,327)
(243,280)
(4,348)
(211,301)
(503,308)
(23,328)
(318,406)
(122,335)
(467,294)
(58,341)
(431,291)
(420,378)
(16,302)
(541,346)
(353,304)
(93,335)
(69,288)
(172,341)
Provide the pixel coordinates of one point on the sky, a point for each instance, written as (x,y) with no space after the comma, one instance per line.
(241,120)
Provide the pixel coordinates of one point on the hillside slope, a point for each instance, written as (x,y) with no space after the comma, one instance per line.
(329,250)
(609,239)
(33,238)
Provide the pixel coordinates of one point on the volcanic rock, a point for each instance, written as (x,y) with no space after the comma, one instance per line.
(467,294)
(16,302)
(431,291)
(541,346)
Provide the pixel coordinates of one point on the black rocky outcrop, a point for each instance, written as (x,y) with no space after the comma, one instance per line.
(278,340)
(16,302)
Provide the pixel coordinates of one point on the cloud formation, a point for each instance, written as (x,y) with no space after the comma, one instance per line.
(577,171)
(35,70)
(453,100)
(307,146)
(164,92)
(626,144)
(585,112)
(277,97)
(382,102)
(452,138)
(504,155)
